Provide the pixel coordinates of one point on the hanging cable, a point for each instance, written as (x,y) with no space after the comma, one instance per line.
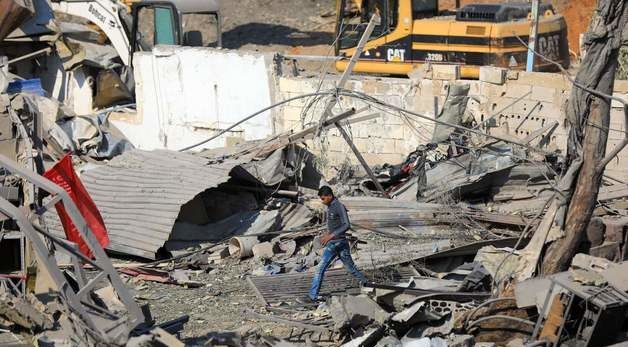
(254,115)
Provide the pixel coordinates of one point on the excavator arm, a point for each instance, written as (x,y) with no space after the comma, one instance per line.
(106,14)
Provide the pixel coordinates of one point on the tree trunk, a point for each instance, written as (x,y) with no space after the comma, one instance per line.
(589,119)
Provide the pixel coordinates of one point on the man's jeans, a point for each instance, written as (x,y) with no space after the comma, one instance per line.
(333,249)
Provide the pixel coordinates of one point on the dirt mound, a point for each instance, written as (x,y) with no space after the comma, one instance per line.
(277,25)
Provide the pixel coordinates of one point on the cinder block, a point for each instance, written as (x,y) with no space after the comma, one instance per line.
(401,88)
(617,104)
(264,250)
(394,131)
(491,74)
(550,80)
(404,146)
(474,88)
(291,113)
(525,107)
(512,74)
(385,146)
(445,72)
(364,145)
(511,91)
(389,119)
(426,86)
(337,142)
(617,117)
(621,86)
(369,86)
(394,100)
(541,93)
(501,105)
(551,112)
(290,85)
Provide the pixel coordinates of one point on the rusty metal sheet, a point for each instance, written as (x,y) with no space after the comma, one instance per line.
(12,14)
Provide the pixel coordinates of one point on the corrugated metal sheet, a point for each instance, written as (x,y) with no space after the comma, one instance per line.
(140,194)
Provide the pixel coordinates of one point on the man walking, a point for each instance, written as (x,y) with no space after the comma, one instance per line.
(335,242)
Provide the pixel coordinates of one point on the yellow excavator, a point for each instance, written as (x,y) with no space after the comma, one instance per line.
(413,32)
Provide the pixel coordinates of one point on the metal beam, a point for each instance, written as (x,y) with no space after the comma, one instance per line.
(309,132)
(534,30)
(333,100)
(112,331)
(358,155)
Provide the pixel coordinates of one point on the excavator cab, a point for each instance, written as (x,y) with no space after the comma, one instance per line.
(174,22)
(154,23)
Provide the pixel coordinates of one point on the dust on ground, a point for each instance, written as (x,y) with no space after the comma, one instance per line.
(284,26)
(216,306)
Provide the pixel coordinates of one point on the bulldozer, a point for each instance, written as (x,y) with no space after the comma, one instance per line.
(412,33)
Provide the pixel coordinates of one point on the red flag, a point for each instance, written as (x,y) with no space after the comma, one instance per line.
(64,176)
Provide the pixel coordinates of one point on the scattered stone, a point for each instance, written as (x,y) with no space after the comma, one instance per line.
(264,250)
(586,277)
(355,311)
(389,341)
(458,340)
(367,339)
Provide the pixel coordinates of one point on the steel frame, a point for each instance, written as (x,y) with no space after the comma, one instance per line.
(99,323)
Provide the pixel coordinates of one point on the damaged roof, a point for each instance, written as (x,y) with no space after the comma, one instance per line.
(140,194)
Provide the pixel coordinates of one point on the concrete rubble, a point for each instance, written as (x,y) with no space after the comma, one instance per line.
(190,215)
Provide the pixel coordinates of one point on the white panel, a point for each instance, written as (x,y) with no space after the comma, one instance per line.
(187,94)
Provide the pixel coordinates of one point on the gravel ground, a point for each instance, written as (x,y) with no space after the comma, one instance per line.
(215,307)
(218,305)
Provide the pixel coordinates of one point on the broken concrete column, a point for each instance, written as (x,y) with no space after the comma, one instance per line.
(242,246)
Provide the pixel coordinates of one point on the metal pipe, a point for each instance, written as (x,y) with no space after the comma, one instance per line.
(485,303)
(534,29)
(30,55)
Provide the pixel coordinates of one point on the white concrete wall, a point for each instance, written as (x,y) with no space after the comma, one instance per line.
(186,94)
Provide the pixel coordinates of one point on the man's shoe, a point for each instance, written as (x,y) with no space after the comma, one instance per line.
(309,301)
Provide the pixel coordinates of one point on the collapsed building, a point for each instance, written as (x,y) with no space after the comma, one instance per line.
(456,191)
